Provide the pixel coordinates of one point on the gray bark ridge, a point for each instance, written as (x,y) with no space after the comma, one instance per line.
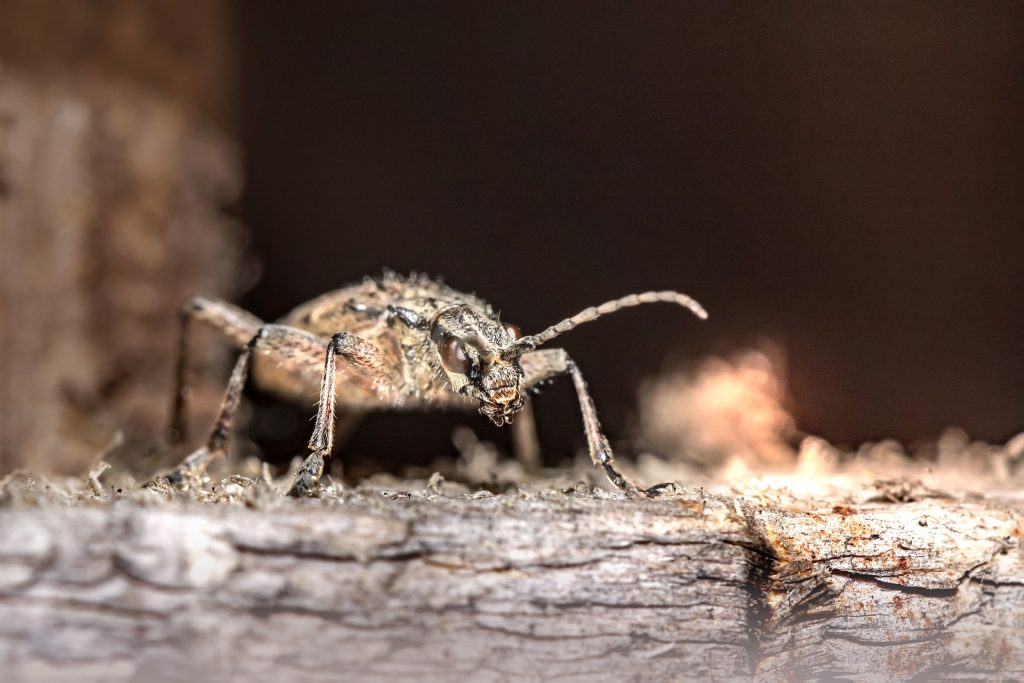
(578,586)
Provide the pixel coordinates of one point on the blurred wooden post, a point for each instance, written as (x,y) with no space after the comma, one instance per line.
(113,185)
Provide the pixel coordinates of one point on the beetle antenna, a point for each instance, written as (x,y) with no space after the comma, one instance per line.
(595,312)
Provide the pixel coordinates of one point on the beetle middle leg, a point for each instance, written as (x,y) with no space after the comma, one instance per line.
(541,365)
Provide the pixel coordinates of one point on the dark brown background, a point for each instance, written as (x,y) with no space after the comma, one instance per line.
(842,178)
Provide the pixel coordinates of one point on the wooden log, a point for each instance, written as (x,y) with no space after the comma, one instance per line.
(427,583)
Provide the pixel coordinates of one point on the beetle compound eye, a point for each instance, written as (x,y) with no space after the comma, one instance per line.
(454,356)
(513,330)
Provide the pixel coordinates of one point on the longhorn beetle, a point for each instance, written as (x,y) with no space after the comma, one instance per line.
(394,342)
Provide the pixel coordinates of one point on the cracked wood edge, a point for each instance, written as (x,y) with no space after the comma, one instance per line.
(925,590)
(524,587)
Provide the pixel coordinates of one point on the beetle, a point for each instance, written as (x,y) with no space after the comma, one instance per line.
(393,342)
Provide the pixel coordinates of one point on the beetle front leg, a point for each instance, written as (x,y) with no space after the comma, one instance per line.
(365,358)
(541,365)
(524,439)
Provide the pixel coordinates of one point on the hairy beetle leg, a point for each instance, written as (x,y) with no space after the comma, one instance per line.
(541,365)
(279,339)
(307,478)
(366,358)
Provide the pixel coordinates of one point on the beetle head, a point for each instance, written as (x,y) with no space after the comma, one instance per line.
(480,355)
(477,355)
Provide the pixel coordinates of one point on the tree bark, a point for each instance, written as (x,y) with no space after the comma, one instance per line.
(417,583)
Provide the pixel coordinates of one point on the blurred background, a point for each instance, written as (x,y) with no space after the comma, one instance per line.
(839,184)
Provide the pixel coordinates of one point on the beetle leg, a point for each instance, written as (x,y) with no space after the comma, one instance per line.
(524,438)
(548,363)
(286,344)
(235,324)
(366,358)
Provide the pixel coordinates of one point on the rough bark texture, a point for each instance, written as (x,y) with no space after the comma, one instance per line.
(424,583)
(916,591)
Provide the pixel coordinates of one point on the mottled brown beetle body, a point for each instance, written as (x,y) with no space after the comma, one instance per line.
(393,342)
(365,310)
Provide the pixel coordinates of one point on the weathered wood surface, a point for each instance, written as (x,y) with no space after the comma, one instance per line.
(421,583)
(566,587)
(927,590)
